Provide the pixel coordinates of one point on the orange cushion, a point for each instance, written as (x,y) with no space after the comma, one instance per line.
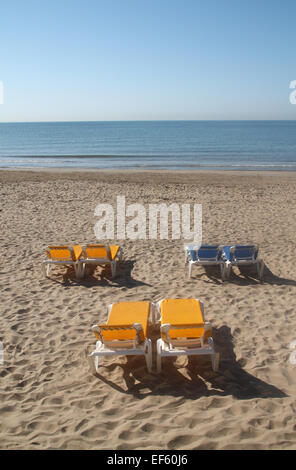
(59,252)
(179,312)
(96,251)
(127,313)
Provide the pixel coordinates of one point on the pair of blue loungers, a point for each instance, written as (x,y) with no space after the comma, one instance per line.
(224,256)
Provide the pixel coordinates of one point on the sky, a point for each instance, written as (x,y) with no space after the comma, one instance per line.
(95,60)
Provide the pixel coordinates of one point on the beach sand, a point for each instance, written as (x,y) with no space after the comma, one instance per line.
(48,397)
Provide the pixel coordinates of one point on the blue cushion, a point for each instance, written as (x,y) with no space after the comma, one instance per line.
(246,251)
(241,252)
(245,254)
(205,252)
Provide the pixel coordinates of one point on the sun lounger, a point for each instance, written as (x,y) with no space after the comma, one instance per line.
(205,255)
(125,333)
(63,255)
(184,331)
(242,255)
(101,255)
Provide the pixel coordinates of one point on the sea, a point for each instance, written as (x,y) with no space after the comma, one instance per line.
(172,145)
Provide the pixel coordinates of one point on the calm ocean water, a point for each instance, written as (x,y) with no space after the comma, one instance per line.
(259,145)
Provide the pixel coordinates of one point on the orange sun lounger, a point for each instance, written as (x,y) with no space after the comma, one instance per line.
(184,330)
(125,333)
(101,255)
(63,255)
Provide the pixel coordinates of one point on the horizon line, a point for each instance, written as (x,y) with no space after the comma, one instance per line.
(148,120)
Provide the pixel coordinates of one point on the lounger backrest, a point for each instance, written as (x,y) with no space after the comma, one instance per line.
(182,318)
(96,252)
(244,252)
(60,253)
(107,333)
(208,252)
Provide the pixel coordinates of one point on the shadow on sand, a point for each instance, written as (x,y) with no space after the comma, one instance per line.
(209,274)
(100,276)
(242,276)
(199,381)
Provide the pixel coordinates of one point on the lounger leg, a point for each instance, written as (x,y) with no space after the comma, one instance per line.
(46,269)
(113,269)
(227,270)
(158,357)
(189,269)
(93,363)
(78,271)
(82,270)
(222,269)
(260,269)
(153,317)
(215,361)
(148,355)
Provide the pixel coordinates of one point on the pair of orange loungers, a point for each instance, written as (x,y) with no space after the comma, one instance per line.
(79,256)
(183,331)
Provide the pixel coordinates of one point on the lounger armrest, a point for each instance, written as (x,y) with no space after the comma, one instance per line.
(97,332)
(207,332)
(166,327)
(158,309)
(139,332)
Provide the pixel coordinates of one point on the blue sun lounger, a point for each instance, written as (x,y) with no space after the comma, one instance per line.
(205,255)
(242,255)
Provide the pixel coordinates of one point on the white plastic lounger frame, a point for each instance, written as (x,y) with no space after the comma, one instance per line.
(86,259)
(115,348)
(120,347)
(46,264)
(245,261)
(213,261)
(185,347)
(187,248)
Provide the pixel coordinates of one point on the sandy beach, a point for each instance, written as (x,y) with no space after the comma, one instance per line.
(48,397)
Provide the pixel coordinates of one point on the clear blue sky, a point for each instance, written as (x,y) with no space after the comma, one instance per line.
(139,59)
